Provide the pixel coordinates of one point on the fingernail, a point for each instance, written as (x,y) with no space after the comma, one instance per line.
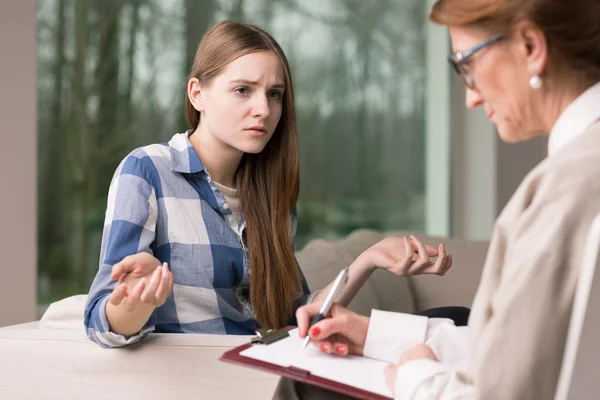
(315,331)
(341,350)
(324,347)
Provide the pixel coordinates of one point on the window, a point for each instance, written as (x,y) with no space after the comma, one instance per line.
(372,127)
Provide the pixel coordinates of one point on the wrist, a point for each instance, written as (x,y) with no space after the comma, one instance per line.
(127,322)
(364,262)
(363,324)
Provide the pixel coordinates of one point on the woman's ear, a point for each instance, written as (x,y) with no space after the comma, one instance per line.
(194,92)
(534,46)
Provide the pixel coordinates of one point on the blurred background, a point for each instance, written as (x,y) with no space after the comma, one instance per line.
(111,76)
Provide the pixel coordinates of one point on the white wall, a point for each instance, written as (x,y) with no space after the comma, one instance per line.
(18,157)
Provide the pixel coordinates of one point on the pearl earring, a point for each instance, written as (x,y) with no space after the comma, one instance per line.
(535,82)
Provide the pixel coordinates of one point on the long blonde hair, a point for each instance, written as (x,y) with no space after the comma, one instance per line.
(268,182)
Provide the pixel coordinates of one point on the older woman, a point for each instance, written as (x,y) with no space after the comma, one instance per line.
(534,66)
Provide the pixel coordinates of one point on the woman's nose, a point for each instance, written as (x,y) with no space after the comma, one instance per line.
(260,106)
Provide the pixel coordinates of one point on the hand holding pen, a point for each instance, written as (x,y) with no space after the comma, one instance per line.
(336,289)
(343,332)
(333,328)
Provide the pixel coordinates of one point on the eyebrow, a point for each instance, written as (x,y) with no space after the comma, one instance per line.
(255,83)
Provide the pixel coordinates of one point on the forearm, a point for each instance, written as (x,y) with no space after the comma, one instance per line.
(127,323)
(358,273)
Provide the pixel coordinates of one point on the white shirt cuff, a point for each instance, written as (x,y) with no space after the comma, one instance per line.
(390,334)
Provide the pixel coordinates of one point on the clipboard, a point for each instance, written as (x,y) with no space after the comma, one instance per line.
(265,339)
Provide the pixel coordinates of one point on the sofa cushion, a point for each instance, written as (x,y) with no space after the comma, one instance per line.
(65,314)
(321,260)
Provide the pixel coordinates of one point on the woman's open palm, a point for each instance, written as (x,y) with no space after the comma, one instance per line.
(141,279)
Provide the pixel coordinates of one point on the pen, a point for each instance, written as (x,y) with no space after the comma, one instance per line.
(336,288)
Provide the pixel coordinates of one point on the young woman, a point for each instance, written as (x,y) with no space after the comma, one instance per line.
(199,231)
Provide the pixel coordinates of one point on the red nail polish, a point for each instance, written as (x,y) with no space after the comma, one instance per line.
(341,350)
(324,347)
(315,331)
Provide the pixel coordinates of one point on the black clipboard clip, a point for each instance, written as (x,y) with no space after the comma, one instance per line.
(264,336)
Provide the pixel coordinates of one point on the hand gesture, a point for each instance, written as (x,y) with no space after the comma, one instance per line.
(142,280)
(405,257)
(343,333)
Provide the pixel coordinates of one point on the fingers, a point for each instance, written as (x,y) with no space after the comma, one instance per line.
(133,298)
(166,284)
(324,345)
(334,344)
(448,264)
(304,316)
(118,294)
(139,264)
(337,347)
(408,248)
(400,267)
(431,251)
(328,327)
(149,294)
(441,264)
(124,266)
(340,347)
(422,260)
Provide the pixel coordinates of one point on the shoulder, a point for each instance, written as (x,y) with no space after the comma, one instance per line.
(146,162)
(561,190)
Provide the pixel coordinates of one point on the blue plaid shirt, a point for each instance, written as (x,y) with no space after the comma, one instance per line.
(162,201)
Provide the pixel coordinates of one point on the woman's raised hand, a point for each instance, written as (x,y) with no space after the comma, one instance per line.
(408,256)
(141,280)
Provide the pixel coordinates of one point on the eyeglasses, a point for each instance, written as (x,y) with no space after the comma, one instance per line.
(459,59)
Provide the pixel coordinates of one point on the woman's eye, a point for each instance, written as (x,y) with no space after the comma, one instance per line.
(274,94)
(241,90)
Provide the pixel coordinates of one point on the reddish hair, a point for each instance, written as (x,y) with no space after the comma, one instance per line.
(572,28)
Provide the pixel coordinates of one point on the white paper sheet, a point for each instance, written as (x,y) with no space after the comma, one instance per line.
(360,372)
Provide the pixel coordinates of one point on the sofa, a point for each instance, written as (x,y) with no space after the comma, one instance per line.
(53,359)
